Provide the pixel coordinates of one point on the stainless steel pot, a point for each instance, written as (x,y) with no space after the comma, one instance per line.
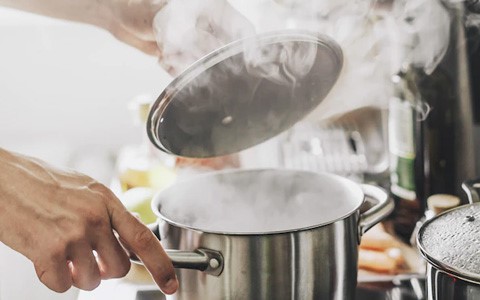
(450,243)
(257,234)
(266,234)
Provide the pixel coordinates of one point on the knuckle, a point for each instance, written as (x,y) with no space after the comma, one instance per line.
(143,239)
(57,249)
(97,186)
(95,219)
(121,270)
(76,236)
(105,193)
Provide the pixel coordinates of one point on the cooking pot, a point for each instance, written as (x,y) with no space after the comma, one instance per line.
(257,234)
(450,243)
(266,234)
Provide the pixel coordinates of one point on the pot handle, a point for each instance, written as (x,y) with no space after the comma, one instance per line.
(378,212)
(206,260)
(472,188)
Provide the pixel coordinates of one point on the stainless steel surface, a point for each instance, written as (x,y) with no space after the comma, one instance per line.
(208,261)
(472,189)
(244,93)
(310,263)
(378,212)
(443,286)
(450,243)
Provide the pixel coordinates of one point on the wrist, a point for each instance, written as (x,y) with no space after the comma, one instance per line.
(99,13)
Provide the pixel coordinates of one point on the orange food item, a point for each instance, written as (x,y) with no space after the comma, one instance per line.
(377,239)
(397,255)
(214,163)
(376,261)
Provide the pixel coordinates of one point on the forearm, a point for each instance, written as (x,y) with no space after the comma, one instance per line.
(94,12)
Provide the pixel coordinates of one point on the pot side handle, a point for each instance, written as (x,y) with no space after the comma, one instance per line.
(472,188)
(206,260)
(377,213)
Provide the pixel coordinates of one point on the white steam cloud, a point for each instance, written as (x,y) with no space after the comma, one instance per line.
(376,40)
(258,201)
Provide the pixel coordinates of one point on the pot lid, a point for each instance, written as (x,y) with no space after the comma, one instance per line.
(244,93)
(262,201)
(451,242)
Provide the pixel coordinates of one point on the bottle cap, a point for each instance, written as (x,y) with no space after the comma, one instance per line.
(439,203)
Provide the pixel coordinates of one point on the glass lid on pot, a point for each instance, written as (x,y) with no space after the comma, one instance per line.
(258,201)
(244,93)
(451,242)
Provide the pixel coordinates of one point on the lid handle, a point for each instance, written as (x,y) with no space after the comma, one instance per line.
(472,188)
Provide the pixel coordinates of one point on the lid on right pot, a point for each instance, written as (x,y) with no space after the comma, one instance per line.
(451,242)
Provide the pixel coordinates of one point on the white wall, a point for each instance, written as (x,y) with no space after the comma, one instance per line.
(64,90)
(69,82)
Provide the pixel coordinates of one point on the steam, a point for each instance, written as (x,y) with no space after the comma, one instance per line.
(424,28)
(188,30)
(376,41)
(258,201)
(283,63)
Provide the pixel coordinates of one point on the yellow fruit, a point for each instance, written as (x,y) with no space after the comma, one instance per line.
(138,200)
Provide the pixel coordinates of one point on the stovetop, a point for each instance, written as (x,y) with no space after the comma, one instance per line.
(124,290)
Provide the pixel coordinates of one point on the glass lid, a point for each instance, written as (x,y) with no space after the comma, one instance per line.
(244,93)
(451,242)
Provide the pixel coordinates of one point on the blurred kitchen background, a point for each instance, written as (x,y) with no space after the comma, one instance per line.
(73,95)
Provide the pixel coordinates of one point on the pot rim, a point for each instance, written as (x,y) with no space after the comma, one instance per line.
(450,270)
(358,191)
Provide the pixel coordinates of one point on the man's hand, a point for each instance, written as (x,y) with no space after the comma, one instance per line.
(64,223)
(178,32)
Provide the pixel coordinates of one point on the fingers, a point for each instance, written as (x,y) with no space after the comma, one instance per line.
(143,242)
(83,267)
(56,274)
(112,260)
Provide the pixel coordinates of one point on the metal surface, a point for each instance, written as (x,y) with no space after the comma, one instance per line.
(374,215)
(450,243)
(443,286)
(472,189)
(309,263)
(244,93)
(312,264)
(205,260)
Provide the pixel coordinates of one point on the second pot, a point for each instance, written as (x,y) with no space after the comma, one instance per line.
(450,243)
